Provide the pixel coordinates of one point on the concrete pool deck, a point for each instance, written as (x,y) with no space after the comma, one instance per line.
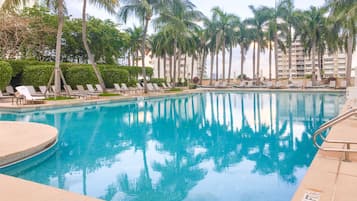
(20,140)
(328,176)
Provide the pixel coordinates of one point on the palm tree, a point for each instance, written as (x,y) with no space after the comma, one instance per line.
(135,41)
(244,41)
(108,5)
(232,33)
(311,30)
(274,33)
(261,15)
(143,10)
(179,16)
(224,24)
(344,14)
(287,12)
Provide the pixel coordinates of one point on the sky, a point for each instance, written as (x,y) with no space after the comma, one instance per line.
(238,7)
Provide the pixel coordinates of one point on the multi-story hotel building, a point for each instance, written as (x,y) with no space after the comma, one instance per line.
(334,65)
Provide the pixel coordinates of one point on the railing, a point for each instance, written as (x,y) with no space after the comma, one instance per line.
(346,149)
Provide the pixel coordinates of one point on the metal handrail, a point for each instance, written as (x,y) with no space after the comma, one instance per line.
(329,124)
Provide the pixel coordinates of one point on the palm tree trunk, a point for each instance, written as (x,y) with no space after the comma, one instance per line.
(241,61)
(129,62)
(85,43)
(203,66)
(276,56)
(58,48)
(290,44)
(313,78)
(349,60)
(192,65)
(270,58)
(179,67)
(175,58)
(147,19)
(253,60)
(184,67)
(217,66)
(158,67)
(318,66)
(212,61)
(230,63)
(258,62)
(171,69)
(133,58)
(223,59)
(165,69)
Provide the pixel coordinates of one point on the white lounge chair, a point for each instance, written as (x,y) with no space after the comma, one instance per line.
(28,97)
(10,90)
(126,88)
(343,84)
(156,87)
(74,93)
(32,91)
(332,84)
(5,96)
(99,88)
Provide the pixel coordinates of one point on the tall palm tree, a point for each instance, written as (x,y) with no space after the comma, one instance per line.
(180,16)
(232,33)
(274,34)
(311,29)
(108,5)
(344,14)
(261,15)
(143,10)
(224,23)
(135,42)
(244,41)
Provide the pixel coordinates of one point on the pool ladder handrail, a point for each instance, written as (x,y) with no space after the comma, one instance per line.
(328,125)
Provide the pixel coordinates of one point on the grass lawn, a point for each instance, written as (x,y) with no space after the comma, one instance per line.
(58,98)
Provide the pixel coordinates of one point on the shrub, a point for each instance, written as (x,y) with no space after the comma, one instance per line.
(192,86)
(114,75)
(17,66)
(5,74)
(37,75)
(158,81)
(80,75)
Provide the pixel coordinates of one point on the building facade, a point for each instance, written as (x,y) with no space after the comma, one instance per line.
(334,65)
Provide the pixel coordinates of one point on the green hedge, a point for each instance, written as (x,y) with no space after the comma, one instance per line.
(5,74)
(158,81)
(114,75)
(80,75)
(37,75)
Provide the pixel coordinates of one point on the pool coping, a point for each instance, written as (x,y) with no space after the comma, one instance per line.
(106,100)
(23,140)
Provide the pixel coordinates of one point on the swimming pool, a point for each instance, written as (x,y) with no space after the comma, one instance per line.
(207,146)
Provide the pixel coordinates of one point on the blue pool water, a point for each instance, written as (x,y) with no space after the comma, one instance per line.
(209,146)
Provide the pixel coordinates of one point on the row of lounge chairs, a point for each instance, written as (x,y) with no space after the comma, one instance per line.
(29,94)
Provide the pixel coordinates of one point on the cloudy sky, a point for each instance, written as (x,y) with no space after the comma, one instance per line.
(238,7)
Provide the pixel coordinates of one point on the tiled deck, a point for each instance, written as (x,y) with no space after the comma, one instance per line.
(14,189)
(329,177)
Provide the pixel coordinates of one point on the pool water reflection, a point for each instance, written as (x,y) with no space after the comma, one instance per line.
(209,146)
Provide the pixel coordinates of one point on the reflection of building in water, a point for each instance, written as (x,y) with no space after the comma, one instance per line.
(308,105)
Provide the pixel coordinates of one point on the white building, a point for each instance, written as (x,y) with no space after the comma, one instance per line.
(334,65)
